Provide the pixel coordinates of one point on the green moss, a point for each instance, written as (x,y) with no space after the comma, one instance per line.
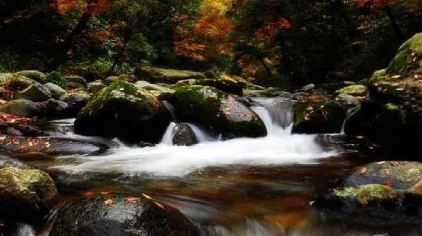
(122,91)
(367,193)
(354,90)
(402,63)
(392,107)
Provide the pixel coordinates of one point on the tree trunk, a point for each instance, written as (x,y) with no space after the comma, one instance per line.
(120,54)
(394,24)
(67,44)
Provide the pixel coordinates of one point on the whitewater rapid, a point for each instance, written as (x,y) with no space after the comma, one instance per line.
(277,148)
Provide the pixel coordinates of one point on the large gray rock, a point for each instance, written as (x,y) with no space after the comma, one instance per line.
(55,90)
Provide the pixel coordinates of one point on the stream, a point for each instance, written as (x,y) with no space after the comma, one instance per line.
(243,186)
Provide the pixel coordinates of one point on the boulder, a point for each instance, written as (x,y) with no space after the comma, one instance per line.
(225,84)
(55,90)
(35,92)
(22,107)
(76,79)
(184,135)
(38,76)
(382,193)
(116,214)
(24,194)
(57,109)
(75,101)
(217,112)
(313,116)
(163,75)
(124,111)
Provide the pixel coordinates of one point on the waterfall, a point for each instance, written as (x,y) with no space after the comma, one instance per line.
(276,113)
(171,110)
(279,147)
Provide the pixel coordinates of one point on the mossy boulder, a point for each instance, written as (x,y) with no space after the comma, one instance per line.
(55,90)
(125,111)
(95,86)
(218,112)
(35,92)
(408,59)
(318,116)
(225,84)
(36,75)
(118,214)
(354,90)
(24,194)
(377,194)
(164,75)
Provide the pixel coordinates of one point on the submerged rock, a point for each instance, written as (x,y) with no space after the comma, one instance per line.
(318,116)
(24,194)
(119,215)
(124,111)
(377,194)
(184,135)
(217,111)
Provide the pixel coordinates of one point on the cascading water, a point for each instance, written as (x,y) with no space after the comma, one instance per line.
(278,147)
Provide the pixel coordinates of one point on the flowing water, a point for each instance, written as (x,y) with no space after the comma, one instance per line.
(243,186)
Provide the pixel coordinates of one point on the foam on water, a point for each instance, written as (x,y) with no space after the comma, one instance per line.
(277,148)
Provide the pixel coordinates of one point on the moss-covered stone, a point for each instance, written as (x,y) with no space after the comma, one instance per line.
(24,194)
(162,92)
(315,116)
(367,193)
(408,58)
(35,92)
(38,76)
(217,111)
(125,111)
(354,90)
(15,82)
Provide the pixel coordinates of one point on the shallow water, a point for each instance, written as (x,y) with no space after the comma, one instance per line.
(261,186)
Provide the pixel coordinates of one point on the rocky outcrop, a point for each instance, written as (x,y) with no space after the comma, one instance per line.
(124,111)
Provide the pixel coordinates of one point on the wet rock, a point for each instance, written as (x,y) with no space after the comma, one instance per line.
(24,194)
(308,87)
(184,135)
(266,92)
(318,116)
(75,101)
(124,111)
(35,92)
(162,75)
(57,109)
(217,111)
(55,90)
(16,146)
(383,193)
(119,215)
(38,76)
(225,84)
(22,107)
